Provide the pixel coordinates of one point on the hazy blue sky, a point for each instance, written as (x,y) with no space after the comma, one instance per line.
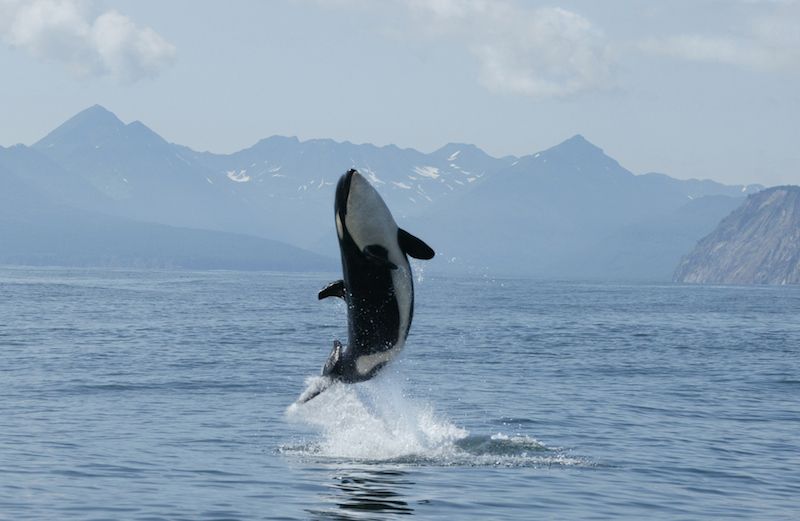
(691,88)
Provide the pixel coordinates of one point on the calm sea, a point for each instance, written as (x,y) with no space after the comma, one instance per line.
(149,395)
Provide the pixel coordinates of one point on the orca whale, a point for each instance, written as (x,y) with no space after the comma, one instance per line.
(376,285)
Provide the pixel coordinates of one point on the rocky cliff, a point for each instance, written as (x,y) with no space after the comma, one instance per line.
(759,243)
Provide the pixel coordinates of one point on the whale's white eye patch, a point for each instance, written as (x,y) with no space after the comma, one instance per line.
(339,229)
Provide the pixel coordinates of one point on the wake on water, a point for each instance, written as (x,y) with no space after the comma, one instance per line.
(375,422)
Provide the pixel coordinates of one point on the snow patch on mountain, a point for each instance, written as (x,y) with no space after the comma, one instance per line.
(371,175)
(238,177)
(183,159)
(427,171)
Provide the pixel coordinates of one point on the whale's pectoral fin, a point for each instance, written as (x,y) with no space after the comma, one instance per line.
(379,255)
(414,246)
(333,359)
(334,289)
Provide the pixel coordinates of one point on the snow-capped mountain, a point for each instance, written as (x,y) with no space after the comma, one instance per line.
(46,219)
(572,211)
(567,211)
(279,188)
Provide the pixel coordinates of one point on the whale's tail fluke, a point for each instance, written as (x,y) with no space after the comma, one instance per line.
(316,386)
(330,373)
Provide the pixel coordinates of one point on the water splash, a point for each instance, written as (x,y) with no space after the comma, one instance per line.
(372,421)
(375,422)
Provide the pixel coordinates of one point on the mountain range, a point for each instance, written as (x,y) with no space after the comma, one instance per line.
(569,211)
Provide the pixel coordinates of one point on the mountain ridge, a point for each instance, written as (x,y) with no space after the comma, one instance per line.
(553,204)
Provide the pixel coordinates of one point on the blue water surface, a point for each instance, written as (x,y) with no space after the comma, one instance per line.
(150,395)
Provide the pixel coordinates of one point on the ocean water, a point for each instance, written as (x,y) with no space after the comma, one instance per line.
(149,395)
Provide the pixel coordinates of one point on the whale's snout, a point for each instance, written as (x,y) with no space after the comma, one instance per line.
(343,191)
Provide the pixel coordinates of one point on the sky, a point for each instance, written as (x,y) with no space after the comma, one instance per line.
(704,89)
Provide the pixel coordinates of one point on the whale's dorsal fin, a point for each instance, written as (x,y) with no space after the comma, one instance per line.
(379,255)
(414,246)
(334,289)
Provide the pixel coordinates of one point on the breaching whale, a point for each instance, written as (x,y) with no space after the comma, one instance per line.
(376,285)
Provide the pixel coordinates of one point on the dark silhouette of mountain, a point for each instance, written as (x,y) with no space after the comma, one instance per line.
(569,211)
(759,243)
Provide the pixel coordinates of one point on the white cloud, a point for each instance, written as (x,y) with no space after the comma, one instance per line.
(68,32)
(768,42)
(538,52)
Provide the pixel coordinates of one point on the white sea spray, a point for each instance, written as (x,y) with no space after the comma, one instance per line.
(376,421)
